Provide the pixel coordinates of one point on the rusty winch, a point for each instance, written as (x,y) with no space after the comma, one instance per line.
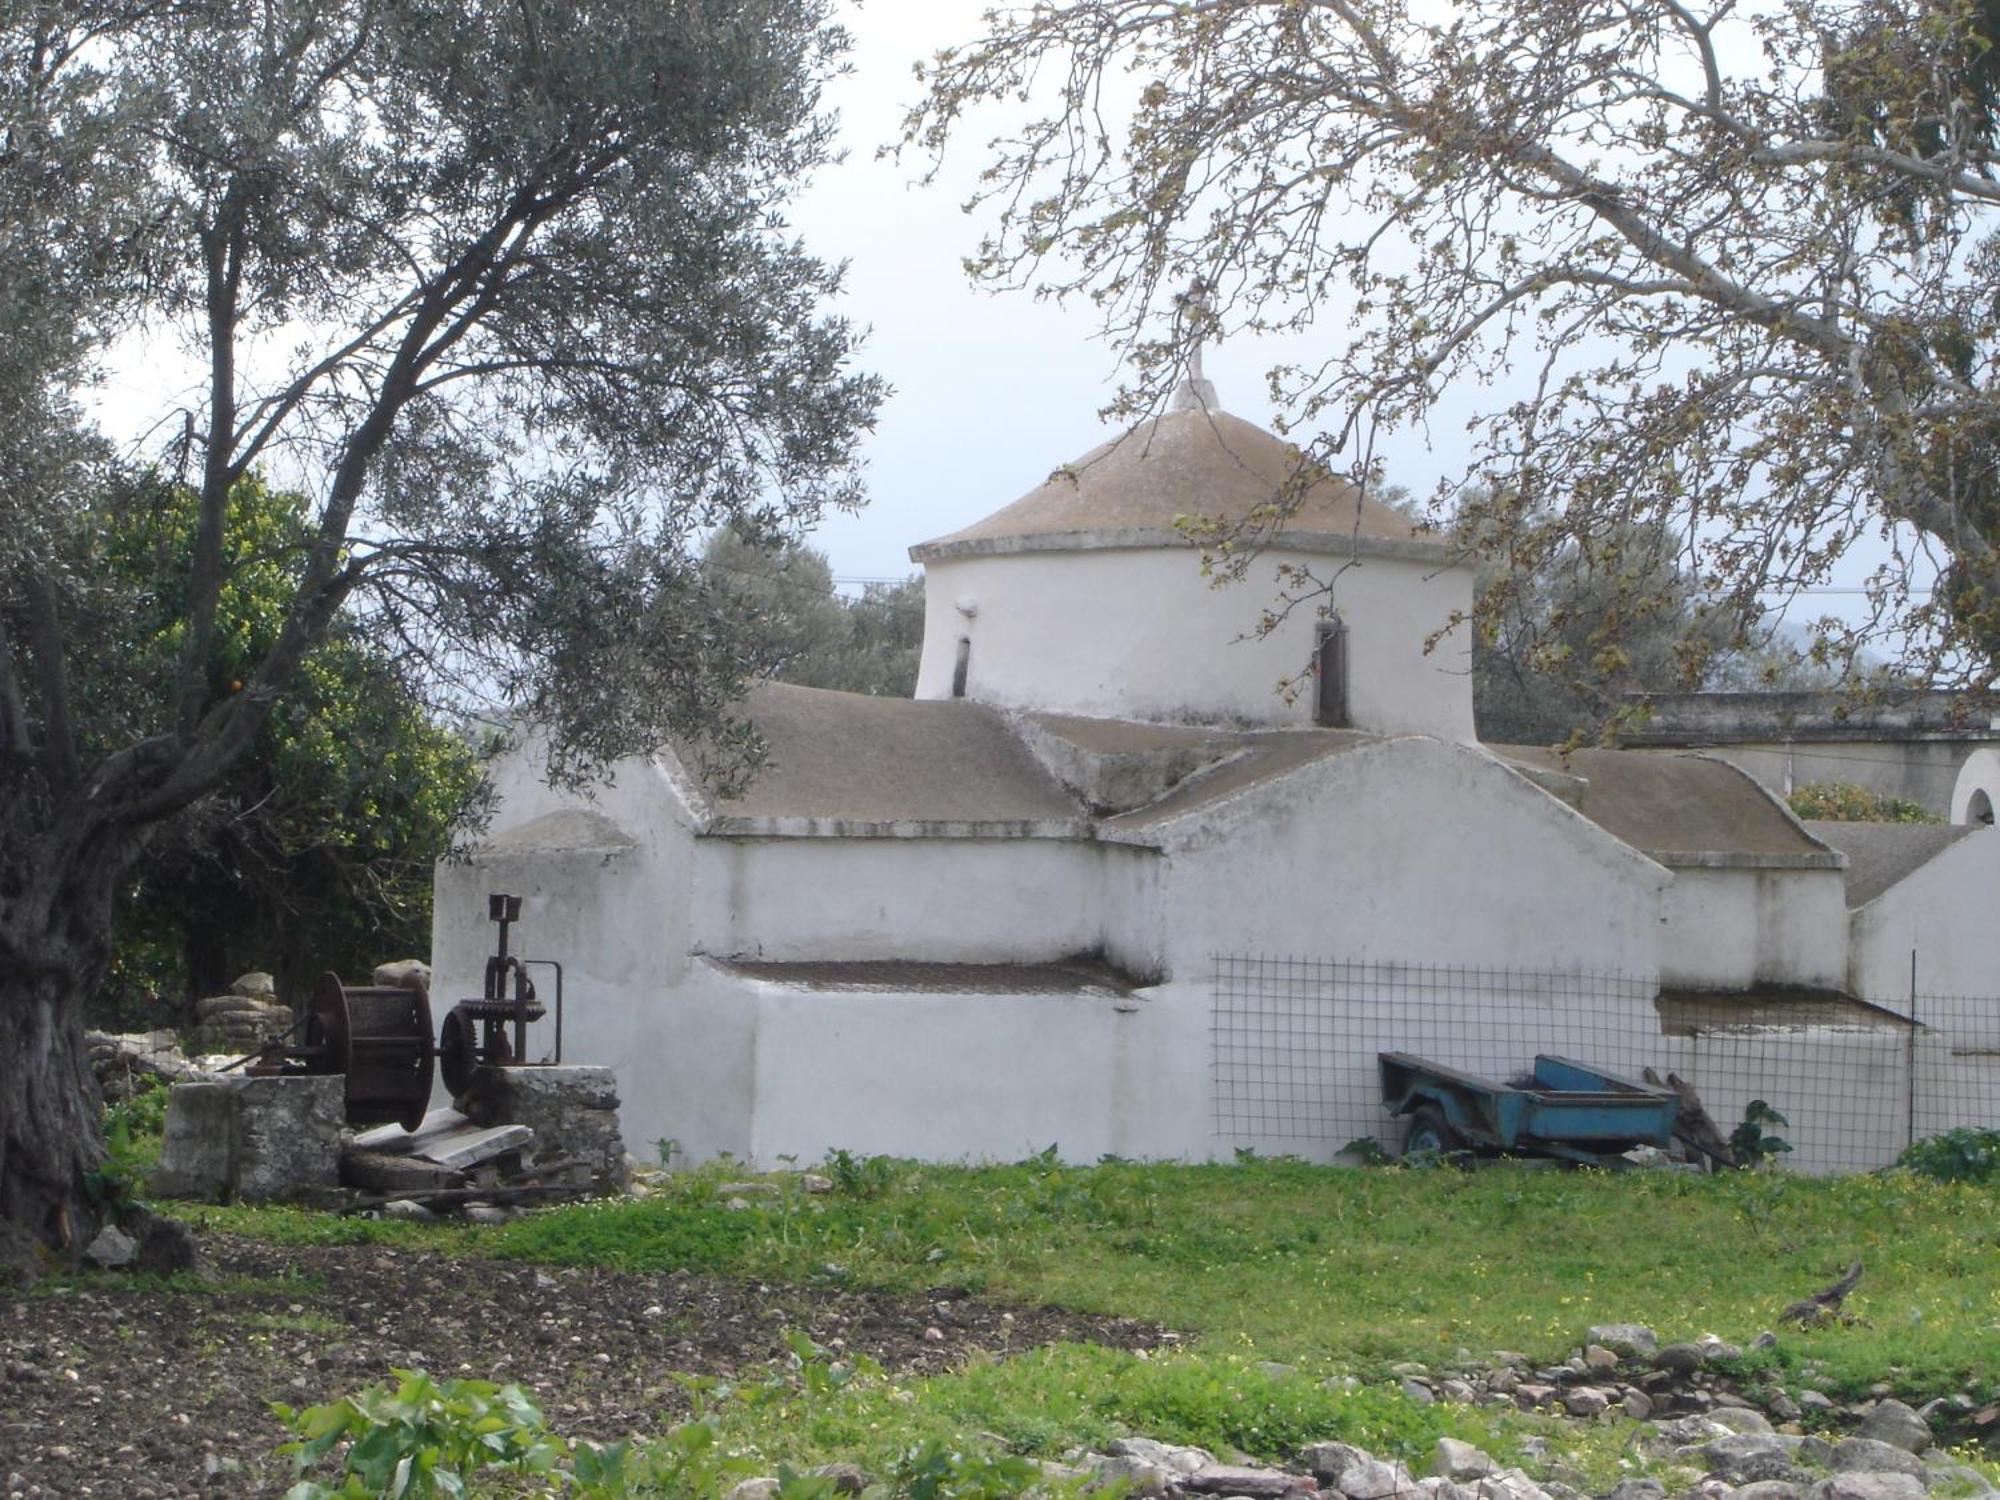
(477,1031)
(380,1036)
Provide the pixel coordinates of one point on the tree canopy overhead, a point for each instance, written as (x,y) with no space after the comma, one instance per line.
(505,289)
(1726,270)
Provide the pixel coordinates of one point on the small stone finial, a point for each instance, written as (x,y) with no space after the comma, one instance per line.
(1195,393)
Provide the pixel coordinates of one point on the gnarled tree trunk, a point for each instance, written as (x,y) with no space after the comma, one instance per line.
(54,929)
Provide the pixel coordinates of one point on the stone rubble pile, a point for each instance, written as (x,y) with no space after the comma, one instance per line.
(127,1063)
(242,1020)
(1711,1442)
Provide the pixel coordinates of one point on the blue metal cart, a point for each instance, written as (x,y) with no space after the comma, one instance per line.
(1569,1110)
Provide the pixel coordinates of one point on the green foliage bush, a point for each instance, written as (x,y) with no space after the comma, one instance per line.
(1753,1140)
(133,1129)
(1968,1154)
(425,1438)
(1844,802)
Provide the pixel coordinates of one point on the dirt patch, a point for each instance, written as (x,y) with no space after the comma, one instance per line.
(111,1390)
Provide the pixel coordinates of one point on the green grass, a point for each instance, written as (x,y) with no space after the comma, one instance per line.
(1359,1269)
(1369,1268)
(279,1224)
(1046,1401)
(1332,1272)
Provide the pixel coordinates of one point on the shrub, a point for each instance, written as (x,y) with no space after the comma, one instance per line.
(1844,802)
(427,1438)
(1967,1154)
(1752,1140)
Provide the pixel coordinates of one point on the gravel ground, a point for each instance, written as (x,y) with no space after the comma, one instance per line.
(111,1390)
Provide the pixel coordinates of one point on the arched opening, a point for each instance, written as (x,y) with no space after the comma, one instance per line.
(1980,808)
(1330,665)
(960,666)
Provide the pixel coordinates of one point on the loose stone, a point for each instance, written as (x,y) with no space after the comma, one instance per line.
(1628,1339)
(1870,1456)
(1458,1461)
(1893,1422)
(1585,1401)
(1859,1486)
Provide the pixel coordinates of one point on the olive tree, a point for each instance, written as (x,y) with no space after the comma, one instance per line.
(1723,269)
(798,628)
(505,289)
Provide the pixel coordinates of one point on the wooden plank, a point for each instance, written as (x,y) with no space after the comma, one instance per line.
(379,1172)
(395,1140)
(467,1147)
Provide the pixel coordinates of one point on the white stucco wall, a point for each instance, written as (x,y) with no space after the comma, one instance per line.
(1400,862)
(1410,850)
(1844,1093)
(970,900)
(1139,633)
(979,1077)
(606,887)
(1728,927)
(1948,912)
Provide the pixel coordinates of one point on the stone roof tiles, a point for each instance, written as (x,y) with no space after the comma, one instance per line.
(1136,489)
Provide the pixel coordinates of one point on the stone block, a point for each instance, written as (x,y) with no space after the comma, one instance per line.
(1458,1461)
(572,1110)
(253,1139)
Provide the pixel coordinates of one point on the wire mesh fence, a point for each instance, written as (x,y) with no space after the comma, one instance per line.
(1294,1045)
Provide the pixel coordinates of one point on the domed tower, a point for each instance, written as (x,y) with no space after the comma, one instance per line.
(1086,596)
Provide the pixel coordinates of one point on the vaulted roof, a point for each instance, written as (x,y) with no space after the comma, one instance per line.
(1880,855)
(846,763)
(1189,464)
(1677,809)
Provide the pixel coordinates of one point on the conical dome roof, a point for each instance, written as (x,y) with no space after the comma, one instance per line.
(1188,463)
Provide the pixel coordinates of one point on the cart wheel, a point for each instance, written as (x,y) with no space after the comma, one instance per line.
(1430,1133)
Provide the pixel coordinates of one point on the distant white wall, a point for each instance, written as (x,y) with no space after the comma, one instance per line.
(1411,850)
(1975,796)
(1731,927)
(1947,912)
(1140,633)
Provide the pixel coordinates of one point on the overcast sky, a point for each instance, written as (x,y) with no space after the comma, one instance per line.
(992,391)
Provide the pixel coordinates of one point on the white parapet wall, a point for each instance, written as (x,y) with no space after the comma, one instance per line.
(981,1077)
(966,900)
(1411,848)
(1944,916)
(1734,924)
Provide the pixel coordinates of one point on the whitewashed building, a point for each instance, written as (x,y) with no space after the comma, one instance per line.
(1102,885)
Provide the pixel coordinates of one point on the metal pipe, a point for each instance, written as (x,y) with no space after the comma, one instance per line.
(551,963)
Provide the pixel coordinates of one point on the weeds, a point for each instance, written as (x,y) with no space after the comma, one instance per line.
(1968,1154)
(1753,1141)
